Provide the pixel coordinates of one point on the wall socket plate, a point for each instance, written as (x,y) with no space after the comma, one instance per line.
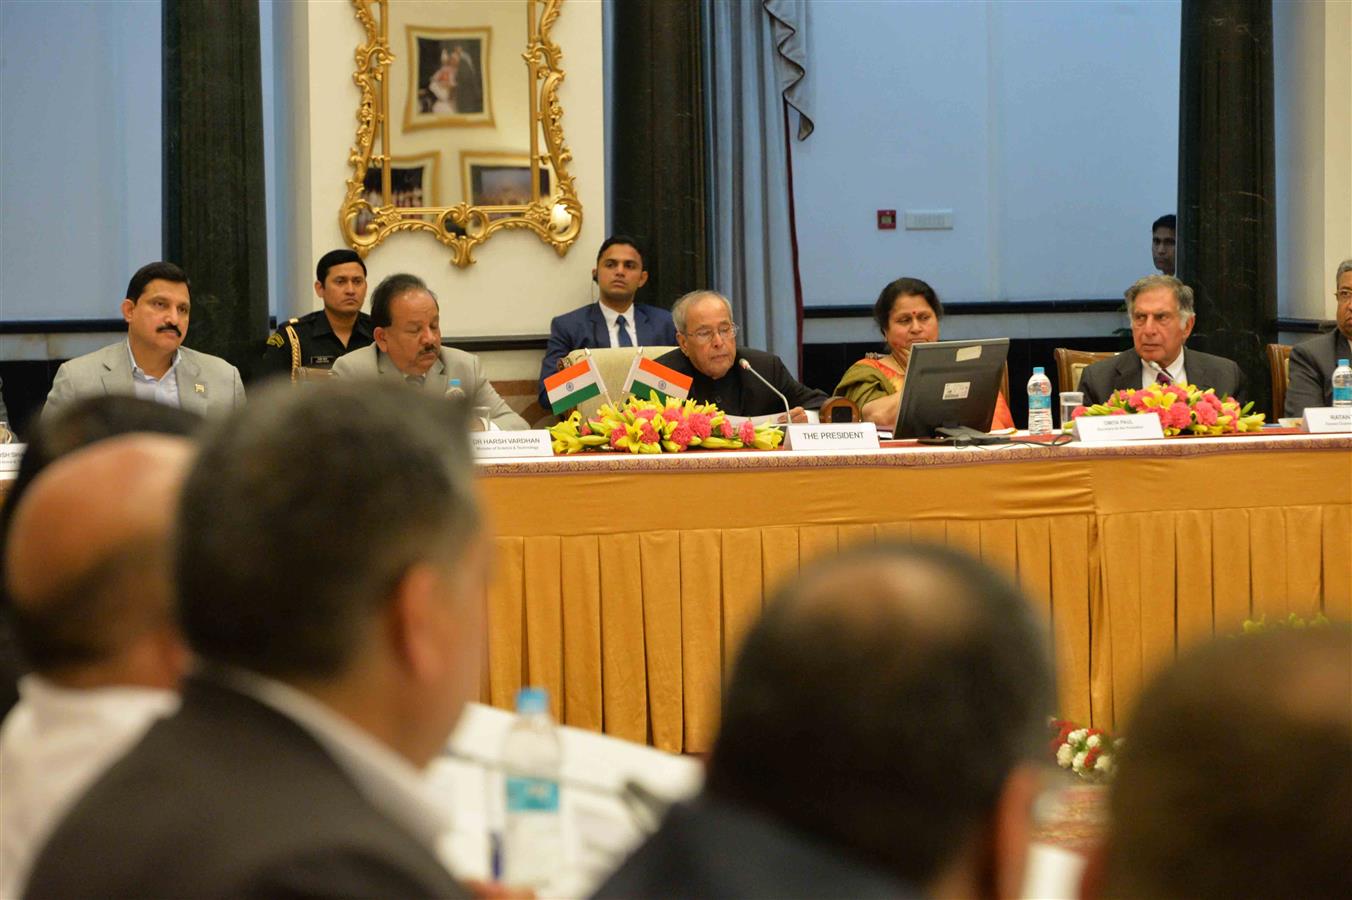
(929,220)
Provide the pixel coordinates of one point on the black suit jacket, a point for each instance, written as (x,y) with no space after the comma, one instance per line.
(1123,372)
(1311,368)
(739,393)
(710,848)
(229,798)
(586,327)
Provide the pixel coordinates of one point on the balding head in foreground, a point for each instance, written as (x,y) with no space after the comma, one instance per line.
(878,737)
(87,564)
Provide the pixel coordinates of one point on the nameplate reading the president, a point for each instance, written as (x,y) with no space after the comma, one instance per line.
(499,444)
(1328,419)
(1100,429)
(833,436)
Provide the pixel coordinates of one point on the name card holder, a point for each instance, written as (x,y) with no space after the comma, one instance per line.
(1328,419)
(832,436)
(1103,429)
(10,454)
(502,444)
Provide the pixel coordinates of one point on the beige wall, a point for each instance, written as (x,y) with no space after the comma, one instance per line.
(517,282)
(1314,151)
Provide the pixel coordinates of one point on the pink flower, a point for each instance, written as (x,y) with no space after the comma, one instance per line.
(1211,401)
(1178,391)
(1206,413)
(699,424)
(648,434)
(1177,416)
(1137,400)
(585,429)
(1078,411)
(1117,411)
(681,435)
(615,436)
(747,433)
(645,414)
(727,430)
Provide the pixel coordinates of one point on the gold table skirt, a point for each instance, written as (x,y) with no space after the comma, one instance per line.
(624,584)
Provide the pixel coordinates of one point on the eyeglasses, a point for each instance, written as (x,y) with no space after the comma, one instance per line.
(705,335)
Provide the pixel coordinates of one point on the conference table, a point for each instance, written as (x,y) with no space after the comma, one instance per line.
(624,584)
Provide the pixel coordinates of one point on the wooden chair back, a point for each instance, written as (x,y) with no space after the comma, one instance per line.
(1070,365)
(1279,368)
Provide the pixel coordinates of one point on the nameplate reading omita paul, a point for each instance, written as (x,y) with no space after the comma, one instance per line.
(833,436)
(1101,429)
(500,444)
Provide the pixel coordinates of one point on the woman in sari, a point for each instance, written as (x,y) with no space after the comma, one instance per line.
(907,312)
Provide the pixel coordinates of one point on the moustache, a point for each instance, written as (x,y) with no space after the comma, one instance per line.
(429,348)
(174,328)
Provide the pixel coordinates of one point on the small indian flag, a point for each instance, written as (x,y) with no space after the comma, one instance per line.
(646,376)
(574,384)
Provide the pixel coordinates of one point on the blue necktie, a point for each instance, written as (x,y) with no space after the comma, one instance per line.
(625,340)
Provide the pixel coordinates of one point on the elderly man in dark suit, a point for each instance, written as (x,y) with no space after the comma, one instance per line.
(722,372)
(330,569)
(1162,315)
(615,320)
(1312,363)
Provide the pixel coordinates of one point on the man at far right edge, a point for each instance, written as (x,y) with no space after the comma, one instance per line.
(1162,314)
(1312,363)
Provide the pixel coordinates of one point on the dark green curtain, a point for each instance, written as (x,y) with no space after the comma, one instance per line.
(657,171)
(214,213)
(1227,244)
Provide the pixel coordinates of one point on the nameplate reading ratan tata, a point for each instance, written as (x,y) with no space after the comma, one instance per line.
(832,436)
(499,444)
(1101,429)
(10,454)
(1328,419)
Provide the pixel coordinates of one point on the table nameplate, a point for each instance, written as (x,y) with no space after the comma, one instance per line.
(10,454)
(1328,419)
(502,444)
(832,436)
(1098,429)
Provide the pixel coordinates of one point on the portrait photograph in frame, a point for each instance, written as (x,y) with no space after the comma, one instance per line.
(413,184)
(448,75)
(500,179)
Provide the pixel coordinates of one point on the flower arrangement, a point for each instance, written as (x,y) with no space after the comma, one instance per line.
(1293,621)
(655,426)
(1088,752)
(1181,407)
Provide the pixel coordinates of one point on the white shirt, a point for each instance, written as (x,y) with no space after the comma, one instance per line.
(390,782)
(161,390)
(613,326)
(54,743)
(1174,370)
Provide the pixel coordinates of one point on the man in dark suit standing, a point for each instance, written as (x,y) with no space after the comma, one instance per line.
(293,767)
(879,739)
(1162,315)
(616,320)
(1312,363)
(707,351)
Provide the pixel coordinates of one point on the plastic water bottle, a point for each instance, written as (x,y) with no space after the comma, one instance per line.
(1342,384)
(1039,403)
(532,848)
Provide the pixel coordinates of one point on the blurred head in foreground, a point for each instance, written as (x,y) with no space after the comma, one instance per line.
(1236,776)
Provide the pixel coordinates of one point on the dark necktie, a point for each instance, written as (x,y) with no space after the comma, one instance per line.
(1163,378)
(623,331)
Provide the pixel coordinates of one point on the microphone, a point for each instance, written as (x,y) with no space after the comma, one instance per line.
(788,419)
(1159,370)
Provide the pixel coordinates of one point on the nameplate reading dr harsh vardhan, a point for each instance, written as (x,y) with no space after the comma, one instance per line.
(10,454)
(500,444)
(834,436)
(1101,429)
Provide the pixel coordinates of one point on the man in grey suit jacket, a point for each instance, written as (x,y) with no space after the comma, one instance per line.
(152,363)
(407,328)
(294,766)
(1162,315)
(1312,363)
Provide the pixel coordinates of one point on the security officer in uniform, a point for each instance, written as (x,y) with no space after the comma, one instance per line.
(316,340)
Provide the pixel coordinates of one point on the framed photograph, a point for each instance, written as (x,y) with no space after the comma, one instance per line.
(448,77)
(413,184)
(500,179)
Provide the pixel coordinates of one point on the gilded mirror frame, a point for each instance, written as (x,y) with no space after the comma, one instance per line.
(557,219)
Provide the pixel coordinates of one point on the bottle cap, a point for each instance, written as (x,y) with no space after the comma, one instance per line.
(455,382)
(1037,370)
(531,700)
(1342,362)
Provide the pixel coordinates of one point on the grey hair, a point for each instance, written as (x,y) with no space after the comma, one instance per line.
(1187,308)
(678,311)
(1344,266)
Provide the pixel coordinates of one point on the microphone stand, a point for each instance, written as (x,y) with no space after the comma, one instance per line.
(788,418)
